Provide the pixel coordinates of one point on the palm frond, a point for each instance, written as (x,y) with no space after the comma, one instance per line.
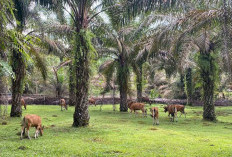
(39,61)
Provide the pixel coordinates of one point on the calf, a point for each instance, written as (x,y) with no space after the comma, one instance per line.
(23,103)
(181,108)
(155,115)
(32,120)
(63,104)
(133,106)
(146,99)
(92,101)
(171,109)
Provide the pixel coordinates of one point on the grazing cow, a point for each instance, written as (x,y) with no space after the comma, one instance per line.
(155,115)
(92,101)
(146,99)
(133,106)
(63,104)
(181,108)
(23,103)
(171,109)
(32,120)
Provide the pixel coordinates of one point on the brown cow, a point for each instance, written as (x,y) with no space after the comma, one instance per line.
(92,101)
(63,104)
(181,108)
(171,109)
(133,106)
(23,103)
(32,120)
(155,115)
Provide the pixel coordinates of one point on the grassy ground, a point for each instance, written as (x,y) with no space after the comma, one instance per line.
(120,134)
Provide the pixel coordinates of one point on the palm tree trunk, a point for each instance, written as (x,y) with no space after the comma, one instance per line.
(123,82)
(226,37)
(81,114)
(58,85)
(71,86)
(188,86)
(18,67)
(208,74)
(139,84)
(182,93)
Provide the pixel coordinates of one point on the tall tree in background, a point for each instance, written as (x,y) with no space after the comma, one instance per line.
(126,46)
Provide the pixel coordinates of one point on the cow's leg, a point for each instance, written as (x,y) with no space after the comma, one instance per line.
(184,114)
(157,121)
(36,133)
(172,117)
(22,132)
(176,116)
(143,112)
(28,133)
(136,113)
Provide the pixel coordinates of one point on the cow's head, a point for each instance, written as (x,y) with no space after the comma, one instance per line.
(165,109)
(129,102)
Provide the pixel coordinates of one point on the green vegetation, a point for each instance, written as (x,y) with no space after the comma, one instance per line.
(120,134)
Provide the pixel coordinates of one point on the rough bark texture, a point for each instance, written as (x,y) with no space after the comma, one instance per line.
(182,86)
(81,114)
(208,70)
(139,84)
(18,67)
(71,86)
(123,82)
(189,86)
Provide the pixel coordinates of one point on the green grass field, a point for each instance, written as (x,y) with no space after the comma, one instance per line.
(120,134)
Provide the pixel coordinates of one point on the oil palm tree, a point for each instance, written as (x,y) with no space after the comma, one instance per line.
(198,32)
(126,45)
(21,53)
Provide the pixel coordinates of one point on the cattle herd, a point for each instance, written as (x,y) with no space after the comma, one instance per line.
(32,120)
